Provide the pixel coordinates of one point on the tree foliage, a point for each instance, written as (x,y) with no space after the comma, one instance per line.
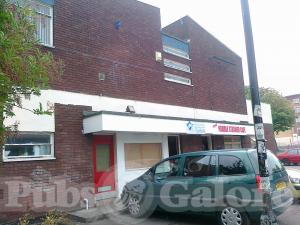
(25,68)
(283,113)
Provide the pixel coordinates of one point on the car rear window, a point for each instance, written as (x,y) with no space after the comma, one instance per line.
(274,165)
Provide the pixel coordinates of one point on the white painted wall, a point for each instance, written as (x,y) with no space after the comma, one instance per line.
(28,121)
(123,175)
(266,112)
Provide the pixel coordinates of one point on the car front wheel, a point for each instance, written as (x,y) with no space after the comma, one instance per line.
(232,216)
(139,207)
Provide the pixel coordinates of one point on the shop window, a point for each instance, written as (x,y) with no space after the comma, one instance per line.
(232,142)
(231,165)
(142,155)
(44,22)
(175,46)
(28,146)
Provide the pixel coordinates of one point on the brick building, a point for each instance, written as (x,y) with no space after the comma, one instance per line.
(131,94)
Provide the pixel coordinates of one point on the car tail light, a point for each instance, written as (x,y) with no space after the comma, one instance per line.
(258,182)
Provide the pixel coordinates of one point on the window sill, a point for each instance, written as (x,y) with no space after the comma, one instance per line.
(177,82)
(47,46)
(28,159)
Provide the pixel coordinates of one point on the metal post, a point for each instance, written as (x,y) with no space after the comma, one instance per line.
(267,217)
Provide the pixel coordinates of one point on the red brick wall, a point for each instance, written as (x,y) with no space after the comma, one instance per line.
(73,163)
(270,138)
(86,39)
(218,85)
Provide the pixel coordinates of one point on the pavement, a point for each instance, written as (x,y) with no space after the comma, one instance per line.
(290,217)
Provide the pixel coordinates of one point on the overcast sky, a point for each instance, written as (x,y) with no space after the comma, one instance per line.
(276,30)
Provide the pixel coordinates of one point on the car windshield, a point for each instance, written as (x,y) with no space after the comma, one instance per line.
(274,165)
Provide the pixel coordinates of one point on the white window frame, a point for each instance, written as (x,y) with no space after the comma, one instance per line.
(177,79)
(297,109)
(31,158)
(297,119)
(176,65)
(51,23)
(175,51)
(296,100)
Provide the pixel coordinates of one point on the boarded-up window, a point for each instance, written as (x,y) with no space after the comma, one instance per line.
(142,155)
(232,142)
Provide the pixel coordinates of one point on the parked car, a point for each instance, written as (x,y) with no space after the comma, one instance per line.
(294,176)
(289,157)
(225,183)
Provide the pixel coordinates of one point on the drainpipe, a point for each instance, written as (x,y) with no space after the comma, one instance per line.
(86,202)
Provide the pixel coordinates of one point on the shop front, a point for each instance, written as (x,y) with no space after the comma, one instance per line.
(127,145)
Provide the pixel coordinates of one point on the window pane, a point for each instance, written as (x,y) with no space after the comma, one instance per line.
(27,150)
(102,158)
(166,169)
(176,65)
(142,155)
(43,21)
(177,79)
(29,139)
(231,165)
(175,46)
(200,166)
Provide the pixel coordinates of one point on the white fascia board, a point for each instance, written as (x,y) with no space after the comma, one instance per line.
(142,124)
(102,103)
(92,124)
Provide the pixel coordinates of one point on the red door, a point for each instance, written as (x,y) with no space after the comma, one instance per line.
(104,163)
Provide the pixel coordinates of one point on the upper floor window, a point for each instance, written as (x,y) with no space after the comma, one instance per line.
(44,22)
(29,146)
(177,65)
(175,46)
(297,119)
(297,109)
(295,100)
(177,79)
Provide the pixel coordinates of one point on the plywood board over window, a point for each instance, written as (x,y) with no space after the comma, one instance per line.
(142,155)
(232,142)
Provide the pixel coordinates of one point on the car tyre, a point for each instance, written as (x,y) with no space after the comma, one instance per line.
(286,162)
(138,207)
(233,216)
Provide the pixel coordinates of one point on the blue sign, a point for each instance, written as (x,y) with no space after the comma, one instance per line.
(195,127)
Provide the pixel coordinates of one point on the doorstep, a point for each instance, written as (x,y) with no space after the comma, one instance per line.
(102,209)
